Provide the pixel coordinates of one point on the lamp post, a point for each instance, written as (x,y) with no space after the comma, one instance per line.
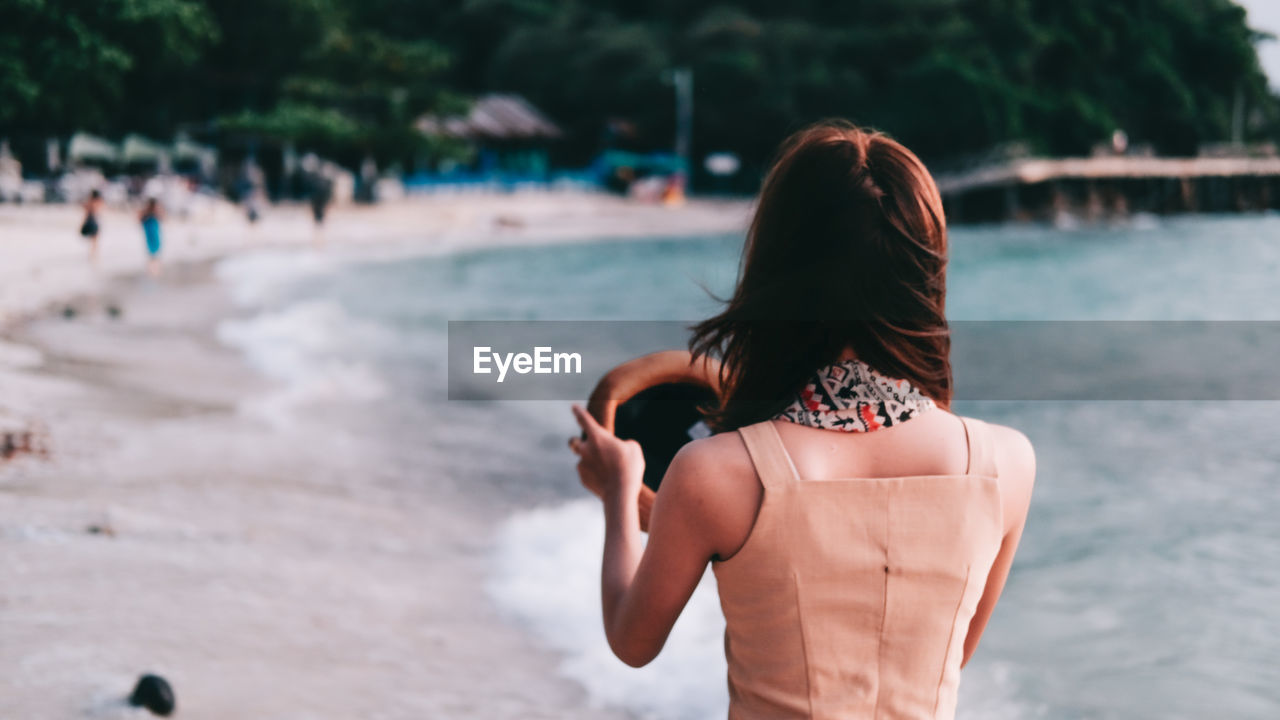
(682,79)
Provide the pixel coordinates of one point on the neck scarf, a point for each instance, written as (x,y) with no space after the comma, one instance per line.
(851,397)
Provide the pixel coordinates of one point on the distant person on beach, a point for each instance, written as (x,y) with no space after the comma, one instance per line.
(89,227)
(150,217)
(251,189)
(859,531)
(253,209)
(320,197)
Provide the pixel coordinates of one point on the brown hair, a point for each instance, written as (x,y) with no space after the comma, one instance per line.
(848,249)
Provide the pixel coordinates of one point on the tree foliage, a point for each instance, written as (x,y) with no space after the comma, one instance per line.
(948,77)
(67,65)
(355,93)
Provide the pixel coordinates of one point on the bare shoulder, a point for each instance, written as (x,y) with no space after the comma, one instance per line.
(714,464)
(1016,462)
(711,485)
(1014,454)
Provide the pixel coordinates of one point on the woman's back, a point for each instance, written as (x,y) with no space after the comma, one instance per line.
(859,585)
(852,595)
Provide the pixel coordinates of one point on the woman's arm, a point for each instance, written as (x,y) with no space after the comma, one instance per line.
(643,588)
(1018,473)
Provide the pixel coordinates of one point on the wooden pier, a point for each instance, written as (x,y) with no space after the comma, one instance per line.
(1104,187)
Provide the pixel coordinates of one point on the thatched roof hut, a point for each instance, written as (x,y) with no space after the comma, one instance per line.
(493,118)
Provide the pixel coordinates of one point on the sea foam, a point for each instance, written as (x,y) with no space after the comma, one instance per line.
(303,347)
(257,278)
(547,576)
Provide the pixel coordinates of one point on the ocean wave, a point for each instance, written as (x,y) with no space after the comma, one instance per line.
(547,577)
(306,348)
(259,277)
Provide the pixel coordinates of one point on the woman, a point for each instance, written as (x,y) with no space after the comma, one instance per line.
(150,219)
(89,227)
(859,532)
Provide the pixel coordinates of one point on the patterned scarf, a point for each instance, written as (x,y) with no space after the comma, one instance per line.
(852,397)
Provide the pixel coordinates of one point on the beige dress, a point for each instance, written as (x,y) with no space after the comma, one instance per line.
(851,598)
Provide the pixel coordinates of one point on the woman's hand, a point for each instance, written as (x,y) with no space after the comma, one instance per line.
(608,466)
(644,587)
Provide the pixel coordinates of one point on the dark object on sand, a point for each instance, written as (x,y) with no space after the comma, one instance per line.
(655,400)
(101,530)
(153,693)
(68,312)
(12,443)
(114,311)
(31,439)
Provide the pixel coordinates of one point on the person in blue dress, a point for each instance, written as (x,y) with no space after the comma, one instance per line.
(150,217)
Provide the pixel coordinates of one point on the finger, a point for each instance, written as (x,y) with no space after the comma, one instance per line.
(575,444)
(585,421)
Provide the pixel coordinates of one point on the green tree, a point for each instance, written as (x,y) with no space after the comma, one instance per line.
(67,65)
(353,93)
(949,77)
(347,77)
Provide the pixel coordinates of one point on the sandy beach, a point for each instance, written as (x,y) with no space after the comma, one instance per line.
(255,486)
(268,570)
(266,462)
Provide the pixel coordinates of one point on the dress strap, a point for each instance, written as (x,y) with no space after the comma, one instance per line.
(768,454)
(982,459)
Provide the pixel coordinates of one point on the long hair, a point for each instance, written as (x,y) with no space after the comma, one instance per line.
(847,250)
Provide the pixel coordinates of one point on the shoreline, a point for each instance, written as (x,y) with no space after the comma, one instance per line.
(46,261)
(164,531)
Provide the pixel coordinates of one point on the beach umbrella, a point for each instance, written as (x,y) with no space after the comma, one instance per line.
(84,146)
(138,149)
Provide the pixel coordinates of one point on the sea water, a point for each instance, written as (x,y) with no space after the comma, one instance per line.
(1148,581)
